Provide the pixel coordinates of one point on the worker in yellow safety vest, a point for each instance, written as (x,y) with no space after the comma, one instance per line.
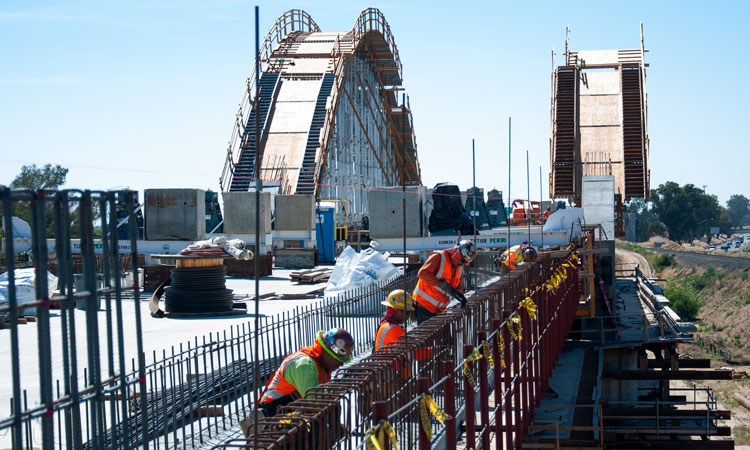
(441,278)
(392,325)
(510,259)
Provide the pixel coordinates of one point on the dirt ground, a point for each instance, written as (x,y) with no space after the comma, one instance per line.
(626,260)
(698,246)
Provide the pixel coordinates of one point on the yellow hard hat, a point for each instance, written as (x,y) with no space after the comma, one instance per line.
(398,299)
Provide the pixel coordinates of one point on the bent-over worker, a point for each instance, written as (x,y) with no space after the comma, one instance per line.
(440,278)
(306,368)
(398,304)
(513,257)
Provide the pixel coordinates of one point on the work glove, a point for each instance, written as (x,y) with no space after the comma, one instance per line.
(449,290)
(460,297)
(445,288)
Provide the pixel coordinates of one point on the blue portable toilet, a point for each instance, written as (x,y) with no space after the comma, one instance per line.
(325,233)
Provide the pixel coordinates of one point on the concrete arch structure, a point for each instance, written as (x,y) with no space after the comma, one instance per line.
(329,118)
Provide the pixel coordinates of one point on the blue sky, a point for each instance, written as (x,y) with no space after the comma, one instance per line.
(142,94)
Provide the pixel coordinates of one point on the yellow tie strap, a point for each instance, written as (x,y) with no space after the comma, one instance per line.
(296,415)
(426,406)
(475,355)
(488,354)
(514,326)
(501,346)
(469,376)
(375,437)
(530,306)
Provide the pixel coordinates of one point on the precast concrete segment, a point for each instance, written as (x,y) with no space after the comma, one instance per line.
(386,376)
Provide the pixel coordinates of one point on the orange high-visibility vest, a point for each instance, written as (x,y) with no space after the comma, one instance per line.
(387,333)
(278,387)
(430,297)
(514,256)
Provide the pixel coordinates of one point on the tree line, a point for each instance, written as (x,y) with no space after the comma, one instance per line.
(686,212)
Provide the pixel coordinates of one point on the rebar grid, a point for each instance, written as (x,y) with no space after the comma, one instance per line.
(442,352)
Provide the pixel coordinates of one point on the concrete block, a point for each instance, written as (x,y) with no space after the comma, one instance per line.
(295,258)
(598,201)
(239,212)
(386,212)
(295,212)
(175,214)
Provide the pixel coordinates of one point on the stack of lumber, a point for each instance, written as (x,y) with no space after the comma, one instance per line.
(306,295)
(311,276)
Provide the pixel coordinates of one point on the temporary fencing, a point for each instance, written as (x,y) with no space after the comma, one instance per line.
(419,391)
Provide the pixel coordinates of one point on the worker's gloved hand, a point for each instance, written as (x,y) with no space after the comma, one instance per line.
(460,297)
(445,287)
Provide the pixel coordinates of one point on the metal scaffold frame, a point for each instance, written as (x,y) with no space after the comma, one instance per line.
(366,139)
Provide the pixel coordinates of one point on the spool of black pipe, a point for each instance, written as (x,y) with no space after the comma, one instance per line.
(198,290)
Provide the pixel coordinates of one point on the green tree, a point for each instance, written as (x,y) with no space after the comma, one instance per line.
(45,177)
(687,211)
(647,222)
(34,178)
(738,208)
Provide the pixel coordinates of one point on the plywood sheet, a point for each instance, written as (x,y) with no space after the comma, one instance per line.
(315,48)
(308,65)
(322,36)
(284,151)
(299,90)
(606,144)
(597,57)
(600,110)
(600,82)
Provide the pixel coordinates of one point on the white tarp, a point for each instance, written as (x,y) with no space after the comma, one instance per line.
(25,289)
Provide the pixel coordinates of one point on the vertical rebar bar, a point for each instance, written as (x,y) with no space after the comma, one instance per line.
(64,291)
(138,327)
(484,395)
(108,278)
(541,200)
(39,245)
(469,406)
(10,259)
(256,372)
(475,191)
(114,199)
(510,201)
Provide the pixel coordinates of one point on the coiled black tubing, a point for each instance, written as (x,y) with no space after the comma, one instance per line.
(198,290)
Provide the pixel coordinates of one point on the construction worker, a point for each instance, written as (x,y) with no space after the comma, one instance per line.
(440,278)
(398,304)
(305,369)
(510,259)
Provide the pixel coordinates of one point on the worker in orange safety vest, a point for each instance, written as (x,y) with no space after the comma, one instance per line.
(441,278)
(304,369)
(392,325)
(510,259)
